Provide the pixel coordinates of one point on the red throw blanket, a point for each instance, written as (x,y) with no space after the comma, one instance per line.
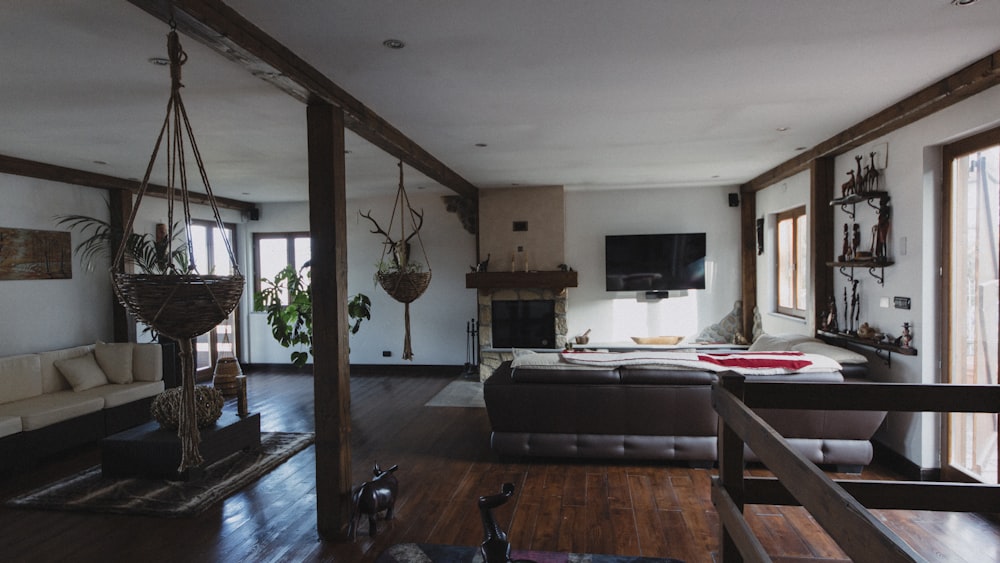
(746,363)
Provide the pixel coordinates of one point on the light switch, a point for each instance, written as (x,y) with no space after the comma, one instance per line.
(883,302)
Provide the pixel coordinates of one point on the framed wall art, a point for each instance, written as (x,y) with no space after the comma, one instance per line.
(28,254)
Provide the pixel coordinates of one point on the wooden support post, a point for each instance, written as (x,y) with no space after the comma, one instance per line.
(331,375)
(821,235)
(123,325)
(748,259)
(731,466)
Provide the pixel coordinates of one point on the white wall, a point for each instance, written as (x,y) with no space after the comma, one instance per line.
(614,317)
(38,315)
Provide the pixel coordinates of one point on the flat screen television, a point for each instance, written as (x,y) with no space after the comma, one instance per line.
(661,262)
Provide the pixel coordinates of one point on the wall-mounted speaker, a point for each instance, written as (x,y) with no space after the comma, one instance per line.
(734,200)
(255,214)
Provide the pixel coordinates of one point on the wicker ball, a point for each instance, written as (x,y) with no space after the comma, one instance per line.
(208,401)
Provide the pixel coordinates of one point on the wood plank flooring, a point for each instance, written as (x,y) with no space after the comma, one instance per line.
(445,464)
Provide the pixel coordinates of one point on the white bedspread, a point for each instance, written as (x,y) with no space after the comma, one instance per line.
(745,363)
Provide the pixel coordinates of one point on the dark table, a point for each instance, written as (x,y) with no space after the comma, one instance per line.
(151,452)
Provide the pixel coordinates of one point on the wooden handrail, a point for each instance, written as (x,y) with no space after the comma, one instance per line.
(845,519)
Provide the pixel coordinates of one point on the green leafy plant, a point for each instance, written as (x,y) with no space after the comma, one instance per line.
(287,300)
(149,255)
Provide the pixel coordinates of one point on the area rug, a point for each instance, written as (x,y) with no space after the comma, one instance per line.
(90,492)
(459,393)
(431,553)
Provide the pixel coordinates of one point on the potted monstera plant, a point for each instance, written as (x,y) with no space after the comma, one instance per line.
(287,300)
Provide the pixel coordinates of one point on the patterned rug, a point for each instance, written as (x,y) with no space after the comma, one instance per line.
(431,553)
(90,492)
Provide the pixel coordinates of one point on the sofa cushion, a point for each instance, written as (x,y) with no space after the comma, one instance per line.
(20,378)
(9,425)
(52,379)
(115,360)
(115,394)
(82,372)
(50,408)
(147,362)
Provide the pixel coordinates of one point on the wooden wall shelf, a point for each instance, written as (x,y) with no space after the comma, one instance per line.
(839,338)
(556,279)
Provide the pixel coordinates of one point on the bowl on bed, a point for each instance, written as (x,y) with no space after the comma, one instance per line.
(670,340)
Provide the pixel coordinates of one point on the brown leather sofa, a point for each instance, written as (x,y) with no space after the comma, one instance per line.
(649,413)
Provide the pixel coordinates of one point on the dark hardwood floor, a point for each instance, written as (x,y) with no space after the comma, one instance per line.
(445,464)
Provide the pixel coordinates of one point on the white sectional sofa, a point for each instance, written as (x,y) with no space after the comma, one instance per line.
(60,399)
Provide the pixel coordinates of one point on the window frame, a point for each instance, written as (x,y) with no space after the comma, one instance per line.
(288,236)
(800,264)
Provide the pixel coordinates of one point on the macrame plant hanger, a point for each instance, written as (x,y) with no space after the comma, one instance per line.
(181,303)
(403,282)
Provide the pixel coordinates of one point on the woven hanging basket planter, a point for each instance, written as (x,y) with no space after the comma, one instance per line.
(401,284)
(179,305)
(404,287)
(182,303)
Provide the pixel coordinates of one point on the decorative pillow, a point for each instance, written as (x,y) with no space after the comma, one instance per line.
(115,361)
(770,343)
(82,372)
(836,353)
(725,330)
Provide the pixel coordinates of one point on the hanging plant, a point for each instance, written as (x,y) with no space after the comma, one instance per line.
(398,274)
(291,321)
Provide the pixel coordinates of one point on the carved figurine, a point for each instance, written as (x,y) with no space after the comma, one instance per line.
(373,497)
(855,240)
(855,307)
(495,547)
(872,174)
(880,232)
(849,187)
(860,187)
(906,338)
(847,314)
(482,266)
(829,321)
(845,251)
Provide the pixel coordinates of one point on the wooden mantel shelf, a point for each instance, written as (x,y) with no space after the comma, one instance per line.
(556,279)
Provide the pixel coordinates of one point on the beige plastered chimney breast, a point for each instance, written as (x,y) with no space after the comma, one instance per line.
(542,245)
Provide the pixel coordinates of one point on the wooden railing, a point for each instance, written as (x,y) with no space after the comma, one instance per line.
(840,507)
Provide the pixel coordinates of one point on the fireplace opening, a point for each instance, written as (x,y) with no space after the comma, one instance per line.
(524,324)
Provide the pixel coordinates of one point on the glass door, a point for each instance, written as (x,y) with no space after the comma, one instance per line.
(211,257)
(973,262)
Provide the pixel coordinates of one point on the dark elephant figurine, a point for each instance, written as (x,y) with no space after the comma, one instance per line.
(373,497)
(495,547)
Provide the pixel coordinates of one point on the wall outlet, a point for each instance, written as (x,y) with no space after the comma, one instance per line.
(386,353)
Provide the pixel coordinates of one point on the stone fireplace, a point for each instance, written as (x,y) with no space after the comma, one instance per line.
(521,240)
(492,355)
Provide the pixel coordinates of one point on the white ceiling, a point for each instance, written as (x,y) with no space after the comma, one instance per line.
(582,93)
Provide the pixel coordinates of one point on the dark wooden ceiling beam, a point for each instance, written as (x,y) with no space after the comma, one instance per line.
(227,32)
(965,83)
(43,171)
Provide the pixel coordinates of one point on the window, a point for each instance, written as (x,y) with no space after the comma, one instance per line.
(275,251)
(211,256)
(792,250)
(972,290)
